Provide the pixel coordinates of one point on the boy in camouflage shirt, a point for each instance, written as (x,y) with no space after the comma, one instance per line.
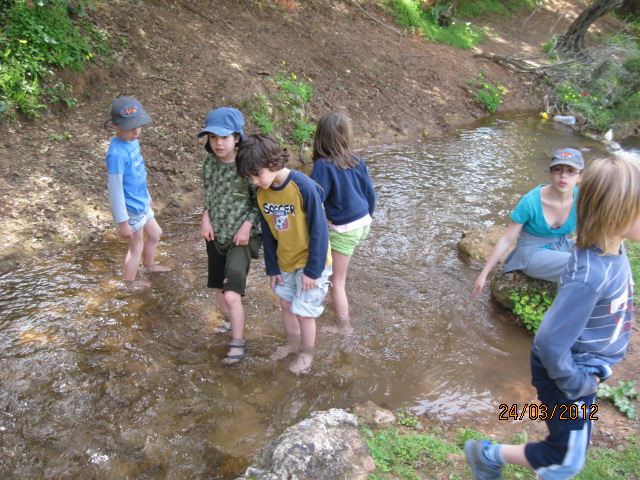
(229,223)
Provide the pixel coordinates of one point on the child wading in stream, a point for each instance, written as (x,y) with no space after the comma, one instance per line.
(296,242)
(229,224)
(349,201)
(131,204)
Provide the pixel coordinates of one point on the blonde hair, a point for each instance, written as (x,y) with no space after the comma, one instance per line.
(608,200)
(332,141)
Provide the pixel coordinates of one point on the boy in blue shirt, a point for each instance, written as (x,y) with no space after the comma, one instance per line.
(585,332)
(131,204)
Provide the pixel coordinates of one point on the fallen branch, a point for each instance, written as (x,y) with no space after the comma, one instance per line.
(375,19)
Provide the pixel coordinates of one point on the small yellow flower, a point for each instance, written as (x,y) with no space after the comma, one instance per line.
(293,75)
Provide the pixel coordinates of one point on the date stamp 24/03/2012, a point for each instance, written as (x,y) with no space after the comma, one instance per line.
(534,411)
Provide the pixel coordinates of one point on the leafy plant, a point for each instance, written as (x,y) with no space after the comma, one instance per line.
(303,132)
(35,39)
(407,418)
(600,89)
(414,16)
(530,306)
(487,94)
(482,8)
(622,397)
(284,110)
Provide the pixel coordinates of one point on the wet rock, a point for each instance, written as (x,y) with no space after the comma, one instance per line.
(325,446)
(475,246)
(370,413)
(502,284)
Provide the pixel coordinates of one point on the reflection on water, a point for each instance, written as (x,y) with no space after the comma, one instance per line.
(102,383)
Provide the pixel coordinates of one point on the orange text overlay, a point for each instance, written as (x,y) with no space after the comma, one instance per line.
(534,411)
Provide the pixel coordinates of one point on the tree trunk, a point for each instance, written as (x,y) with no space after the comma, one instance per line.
(629,8)
(573,41)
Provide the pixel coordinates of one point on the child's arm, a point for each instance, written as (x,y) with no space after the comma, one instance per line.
(270,249)
(561,327)
(318,231)
(206,229)
(243,234)
(116,198)
(503,244)
(371,191)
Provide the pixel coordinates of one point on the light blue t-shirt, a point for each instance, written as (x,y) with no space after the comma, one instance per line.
(529,213)
(124,158)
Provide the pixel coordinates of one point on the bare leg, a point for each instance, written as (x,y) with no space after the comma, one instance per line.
(339,294)
(225,326)
(236,313)
(292,328)
(303,363)
(514,455)
(154,232)
(132,261)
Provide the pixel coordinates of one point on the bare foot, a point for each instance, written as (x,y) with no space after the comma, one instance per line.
(283,351)
(342,326)
(302,364)
(136,285)
(156,268)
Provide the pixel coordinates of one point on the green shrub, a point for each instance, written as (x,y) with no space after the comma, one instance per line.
(487,94)
(36,39)
(601,89)
(530,306)
(412,16)
(622,396)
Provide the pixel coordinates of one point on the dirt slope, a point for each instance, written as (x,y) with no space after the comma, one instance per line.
(184,58)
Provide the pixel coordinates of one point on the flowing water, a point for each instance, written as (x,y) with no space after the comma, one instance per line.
(101,383)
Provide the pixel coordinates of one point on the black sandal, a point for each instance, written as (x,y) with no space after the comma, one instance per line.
(230,360)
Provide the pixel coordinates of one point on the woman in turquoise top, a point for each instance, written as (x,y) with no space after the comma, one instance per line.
(541,221)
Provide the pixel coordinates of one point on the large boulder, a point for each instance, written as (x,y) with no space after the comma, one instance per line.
(325,446)
(475,246)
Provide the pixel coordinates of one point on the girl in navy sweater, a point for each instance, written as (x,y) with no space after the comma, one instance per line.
(349,201)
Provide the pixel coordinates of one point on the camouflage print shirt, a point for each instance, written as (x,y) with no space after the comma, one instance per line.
(230,199)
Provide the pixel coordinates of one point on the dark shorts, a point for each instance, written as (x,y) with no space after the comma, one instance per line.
(229,264)
(562,454)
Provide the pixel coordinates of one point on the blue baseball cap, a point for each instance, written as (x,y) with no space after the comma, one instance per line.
(568,156)
(127,113)
(224,121)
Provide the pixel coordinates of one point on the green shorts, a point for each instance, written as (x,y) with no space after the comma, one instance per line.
(346,243)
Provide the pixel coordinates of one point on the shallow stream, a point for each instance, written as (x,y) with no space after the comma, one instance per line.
(100,383)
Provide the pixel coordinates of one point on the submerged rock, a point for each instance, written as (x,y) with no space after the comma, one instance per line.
(325,446)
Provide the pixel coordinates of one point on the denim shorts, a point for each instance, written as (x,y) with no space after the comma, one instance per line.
(305,303)
(139,220)
(347,242)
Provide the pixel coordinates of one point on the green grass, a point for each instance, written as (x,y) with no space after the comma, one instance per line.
(633,252)
(413,17)
(404,453)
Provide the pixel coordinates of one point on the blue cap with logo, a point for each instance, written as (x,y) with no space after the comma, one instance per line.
(568,156)
(224,121)
(127,113)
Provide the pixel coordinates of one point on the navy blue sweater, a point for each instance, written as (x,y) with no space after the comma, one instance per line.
(348,195)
